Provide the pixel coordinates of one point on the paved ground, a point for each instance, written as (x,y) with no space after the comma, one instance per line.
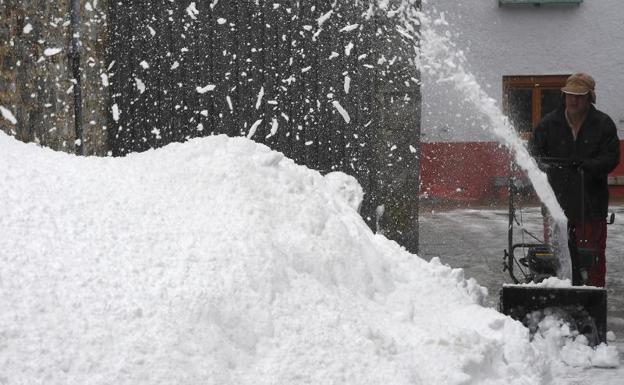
(474,239)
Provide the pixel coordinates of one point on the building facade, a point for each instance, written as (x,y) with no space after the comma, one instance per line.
(520,54)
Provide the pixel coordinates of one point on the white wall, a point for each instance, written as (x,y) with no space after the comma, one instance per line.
(525,40)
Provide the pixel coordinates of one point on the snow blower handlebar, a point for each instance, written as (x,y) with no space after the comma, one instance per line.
(545,162)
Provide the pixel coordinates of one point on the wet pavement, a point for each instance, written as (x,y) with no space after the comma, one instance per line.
(475,240)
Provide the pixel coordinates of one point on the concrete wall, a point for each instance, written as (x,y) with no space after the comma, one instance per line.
(525,40)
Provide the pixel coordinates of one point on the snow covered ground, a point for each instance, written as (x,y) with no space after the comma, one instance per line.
(474,239)
(218,261)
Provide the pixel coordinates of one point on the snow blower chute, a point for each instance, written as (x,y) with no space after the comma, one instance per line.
(528,264)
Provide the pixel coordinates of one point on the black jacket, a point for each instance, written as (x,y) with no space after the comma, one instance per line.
(596,150)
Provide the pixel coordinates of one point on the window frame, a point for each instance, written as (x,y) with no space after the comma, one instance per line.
(536,83)
(539,2)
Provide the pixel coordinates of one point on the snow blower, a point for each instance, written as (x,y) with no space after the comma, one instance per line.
(529,264)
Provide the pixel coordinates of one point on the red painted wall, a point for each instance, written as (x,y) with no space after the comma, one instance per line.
(467,172)
(462,171)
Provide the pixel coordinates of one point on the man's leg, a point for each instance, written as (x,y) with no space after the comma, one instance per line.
(593,236)
(547,222)
(598,272)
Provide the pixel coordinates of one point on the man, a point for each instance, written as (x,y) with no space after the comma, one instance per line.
(587,140)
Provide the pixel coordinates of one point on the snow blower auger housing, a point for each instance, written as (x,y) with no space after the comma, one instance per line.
(528,264)
(586,307)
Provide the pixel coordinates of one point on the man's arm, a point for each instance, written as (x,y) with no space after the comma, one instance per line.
(609,155)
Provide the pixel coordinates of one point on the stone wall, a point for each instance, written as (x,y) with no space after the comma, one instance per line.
(35,83)
(343,92)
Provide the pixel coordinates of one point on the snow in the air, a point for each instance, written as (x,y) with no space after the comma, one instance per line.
(219,261)
(253,128)
(341,111)
(116,112)
(229,102)
(324,18)
(192,11)
(348,48)
(274,127)
(207,88)
(52,51)
(104,78)
(8,115)
(259,99)
(139,85)
(349,28)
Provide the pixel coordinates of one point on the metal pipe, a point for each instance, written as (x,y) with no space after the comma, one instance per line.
(74,63)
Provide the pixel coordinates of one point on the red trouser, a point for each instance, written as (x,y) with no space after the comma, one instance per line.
(593,235)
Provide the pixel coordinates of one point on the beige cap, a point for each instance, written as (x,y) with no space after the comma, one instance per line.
(580,84)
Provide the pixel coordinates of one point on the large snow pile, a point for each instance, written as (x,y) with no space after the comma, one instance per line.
(219,261)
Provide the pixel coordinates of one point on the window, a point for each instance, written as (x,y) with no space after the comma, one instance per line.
(526,99)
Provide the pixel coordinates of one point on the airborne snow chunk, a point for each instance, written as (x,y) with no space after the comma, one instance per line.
(350,28)
(52,51)
(116,112)
(139,85)
(324,18)
(342,111)
(203,90)
(8,115)
(192,11)
(253,128)
(260,96)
